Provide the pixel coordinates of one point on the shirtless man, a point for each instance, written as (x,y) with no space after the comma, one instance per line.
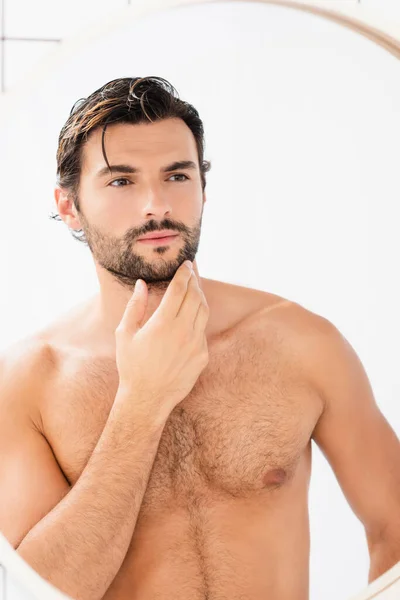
(156,443)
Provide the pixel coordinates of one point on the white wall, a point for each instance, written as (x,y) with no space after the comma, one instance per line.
(302,126)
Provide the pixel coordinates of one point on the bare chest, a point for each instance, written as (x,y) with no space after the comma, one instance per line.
(241,431)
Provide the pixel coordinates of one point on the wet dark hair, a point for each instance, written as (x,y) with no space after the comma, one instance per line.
(124,100)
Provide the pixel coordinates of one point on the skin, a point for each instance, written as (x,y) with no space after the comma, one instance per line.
(225,512)
(158,201)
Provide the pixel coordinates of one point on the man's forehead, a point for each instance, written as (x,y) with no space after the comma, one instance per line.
(124,140)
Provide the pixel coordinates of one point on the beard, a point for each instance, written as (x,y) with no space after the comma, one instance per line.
(117,255)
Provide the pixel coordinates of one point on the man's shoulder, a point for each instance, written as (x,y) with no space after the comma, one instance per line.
(301,327)
(30,354)
(246,301)
(25,367)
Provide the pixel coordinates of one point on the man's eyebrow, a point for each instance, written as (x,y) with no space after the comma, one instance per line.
(179,164)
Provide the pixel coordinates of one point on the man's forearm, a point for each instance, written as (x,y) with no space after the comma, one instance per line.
(80,545)
(383,556)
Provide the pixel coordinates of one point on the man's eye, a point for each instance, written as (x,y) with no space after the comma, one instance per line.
(125,179)
(180,175)
(119,179)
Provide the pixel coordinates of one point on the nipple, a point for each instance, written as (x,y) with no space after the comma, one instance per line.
(275,477)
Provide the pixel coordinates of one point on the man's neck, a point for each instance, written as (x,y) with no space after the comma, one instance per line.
(110,304)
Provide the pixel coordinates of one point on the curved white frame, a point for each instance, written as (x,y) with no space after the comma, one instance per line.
(383,31)
(388,583)
(19,570)
(364,22)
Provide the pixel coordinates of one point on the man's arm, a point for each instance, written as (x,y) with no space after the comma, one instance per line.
(360,445)
(75,538)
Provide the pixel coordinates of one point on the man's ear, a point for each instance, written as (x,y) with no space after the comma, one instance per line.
(66,208)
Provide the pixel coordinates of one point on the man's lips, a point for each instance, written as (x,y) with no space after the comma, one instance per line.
(154,241)
(158,234)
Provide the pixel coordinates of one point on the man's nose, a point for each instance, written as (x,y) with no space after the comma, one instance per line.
(155,202)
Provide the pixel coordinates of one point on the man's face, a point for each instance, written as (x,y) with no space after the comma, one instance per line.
(118,208)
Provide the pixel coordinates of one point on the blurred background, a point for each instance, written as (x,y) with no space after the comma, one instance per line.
(302,122)
(30,29)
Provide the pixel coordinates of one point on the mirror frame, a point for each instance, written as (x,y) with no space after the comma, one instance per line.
(355,17)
